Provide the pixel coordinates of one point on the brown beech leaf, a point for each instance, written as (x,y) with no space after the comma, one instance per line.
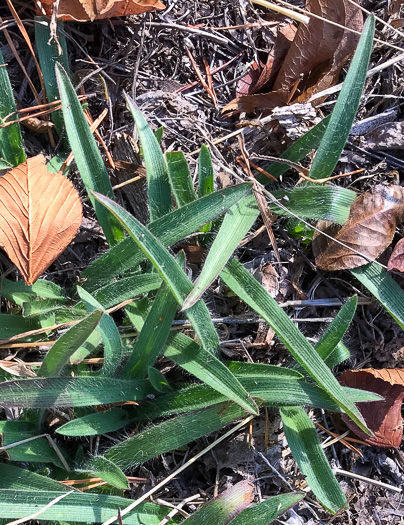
(89,10)
(382,417)
(314,59)
(369,230)
(40,213)
(396,261)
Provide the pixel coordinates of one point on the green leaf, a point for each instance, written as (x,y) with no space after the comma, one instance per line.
(42,307)
(16,478)
(170,271)
(96,423)
(48,54)
(314,201)
(251,292)
(100,467)
(169,229)
(11,145)
(268,510)
(70,391)
(59,354)
(157,177)
(18,292)
(33,451)
(109,333)
(14,325)
(172,434)
(152,336)
(236,223)
(298,150)
(206,367)
(382,286)
(180,178)
(306,449)
(77,507)
(224,507)
(343,115)
(255,370)
(329,348)
(205,172)
(88,159)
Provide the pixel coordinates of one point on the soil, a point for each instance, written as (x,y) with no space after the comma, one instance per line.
(146,57)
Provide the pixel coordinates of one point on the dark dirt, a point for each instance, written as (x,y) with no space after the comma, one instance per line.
(146,57)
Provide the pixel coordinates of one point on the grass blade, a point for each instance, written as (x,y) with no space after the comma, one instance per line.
(199,362)
(77,507)
(180,178)
(343,115)
(170,271)
(224,507)
(236,223)
(268,510)
(157,177)
(306,448)
(48,54)
(152,336)
(205,172)
(70,391)
(96,423)
(172,434)
(100,467)
(382,286)
(169,229)
(59,354)
(252,293)
(87,156)
(109,333)
(11,145)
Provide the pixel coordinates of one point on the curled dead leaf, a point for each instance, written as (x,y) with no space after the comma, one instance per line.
(40,213)
(369,230)
(89,10)
(396,261)
(313,61)
(382,417)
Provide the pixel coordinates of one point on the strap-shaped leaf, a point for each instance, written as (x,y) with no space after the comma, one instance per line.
(59,354)
(306,449)
(180,178)
(159,191)
(236,223)
(343,115)
(251,292)
(86,154)
(169,229)
(268,510)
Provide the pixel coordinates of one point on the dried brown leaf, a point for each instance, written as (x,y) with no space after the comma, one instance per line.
(396,261)
(382,417)
(314,59)
(85,10)
(40,213)
(369,230)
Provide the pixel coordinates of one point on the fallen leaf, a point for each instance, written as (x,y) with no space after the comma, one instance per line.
(369,230)
(89,10)
(314,60)
(396,261)
(382,417)
(40,213)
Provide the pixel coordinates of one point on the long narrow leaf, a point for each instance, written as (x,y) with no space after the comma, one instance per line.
(180,178)
(157,177)
(169,229)
(199,362)
(11,145)
(306,449)
(96,423)
(236,223)
(345,109)
(70,391)
(109,333)
(268,510)
(170,271)
(382,286)
(87,156)
(251,292)
(59,354)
